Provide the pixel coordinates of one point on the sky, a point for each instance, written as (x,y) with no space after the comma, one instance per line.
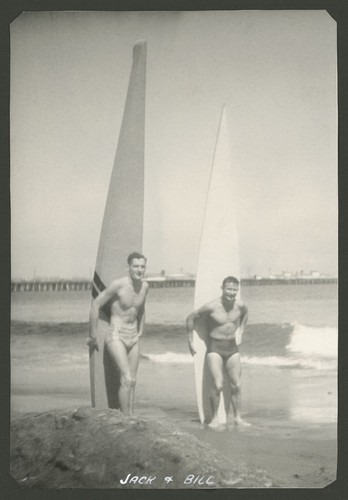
(275,71)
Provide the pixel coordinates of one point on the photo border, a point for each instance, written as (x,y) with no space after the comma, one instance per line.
(9,10)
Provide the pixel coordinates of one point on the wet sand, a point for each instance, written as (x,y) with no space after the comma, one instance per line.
(298,452)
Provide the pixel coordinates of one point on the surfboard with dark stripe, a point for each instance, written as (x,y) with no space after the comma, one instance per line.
(122,226)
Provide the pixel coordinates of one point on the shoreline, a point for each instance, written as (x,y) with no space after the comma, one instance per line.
(296,454)
(293,434)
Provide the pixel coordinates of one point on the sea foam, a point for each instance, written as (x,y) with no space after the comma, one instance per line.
(285,362)
(308,347)
(314,341)
(169,357)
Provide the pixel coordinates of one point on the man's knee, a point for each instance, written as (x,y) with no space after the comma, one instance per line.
(235,387)
(218,386)
(128,381)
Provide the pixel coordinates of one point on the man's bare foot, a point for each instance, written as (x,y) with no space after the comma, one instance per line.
(214,423)
(242,423)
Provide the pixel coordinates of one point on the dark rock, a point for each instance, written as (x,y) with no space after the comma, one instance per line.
(92,448)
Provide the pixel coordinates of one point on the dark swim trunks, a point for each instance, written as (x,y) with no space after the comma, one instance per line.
(225,347)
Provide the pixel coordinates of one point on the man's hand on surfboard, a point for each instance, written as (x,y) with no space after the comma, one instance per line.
(238,336)
(192,349)
(92,343)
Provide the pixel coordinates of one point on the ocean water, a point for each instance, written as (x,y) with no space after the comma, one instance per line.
(291,333)
(277,345)
(311,305)
(290,326)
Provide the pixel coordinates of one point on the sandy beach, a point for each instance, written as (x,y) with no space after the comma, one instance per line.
(291,435)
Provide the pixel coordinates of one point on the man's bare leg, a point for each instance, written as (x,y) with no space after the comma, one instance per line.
(133,361)
(118,353)
(234,371)
(215,364)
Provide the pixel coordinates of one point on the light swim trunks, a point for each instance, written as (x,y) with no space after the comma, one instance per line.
(128,336)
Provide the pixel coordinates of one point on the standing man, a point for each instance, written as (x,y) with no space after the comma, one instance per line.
(223,317)
(125,298)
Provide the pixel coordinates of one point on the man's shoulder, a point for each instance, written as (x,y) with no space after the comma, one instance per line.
(118,282)
(208,307)
(213,304)
(241,304)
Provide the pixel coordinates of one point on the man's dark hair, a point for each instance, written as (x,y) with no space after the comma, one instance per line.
(230,279)
(135,255)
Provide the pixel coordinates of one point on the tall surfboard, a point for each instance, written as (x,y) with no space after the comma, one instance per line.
(122,226)
(218,258)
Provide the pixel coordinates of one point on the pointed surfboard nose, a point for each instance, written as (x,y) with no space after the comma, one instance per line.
(139,48)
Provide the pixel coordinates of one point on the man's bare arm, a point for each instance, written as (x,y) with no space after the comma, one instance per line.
(141,316)
(243,322)
(141,321)
(190,322)
(102,299)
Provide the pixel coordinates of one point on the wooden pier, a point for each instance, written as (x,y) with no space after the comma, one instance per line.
(287,281)
(49,286)
(85,285)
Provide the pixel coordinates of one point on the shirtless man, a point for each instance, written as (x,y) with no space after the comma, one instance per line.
(126,297)
(224,316)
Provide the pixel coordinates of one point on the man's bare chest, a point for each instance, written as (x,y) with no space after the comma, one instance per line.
(128,298)
(221,316)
